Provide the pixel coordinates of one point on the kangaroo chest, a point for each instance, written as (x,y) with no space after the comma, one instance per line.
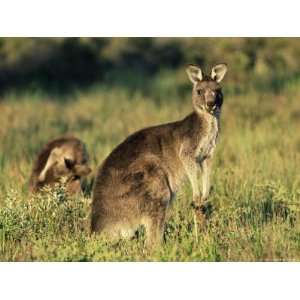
(207,142)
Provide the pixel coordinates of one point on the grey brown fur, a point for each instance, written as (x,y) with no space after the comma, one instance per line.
(137,181)
(63,157)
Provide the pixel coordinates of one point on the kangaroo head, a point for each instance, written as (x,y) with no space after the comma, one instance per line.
(207,93)
(77,171)
(62,164)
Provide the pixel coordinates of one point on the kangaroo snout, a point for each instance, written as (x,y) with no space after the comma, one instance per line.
(210,98)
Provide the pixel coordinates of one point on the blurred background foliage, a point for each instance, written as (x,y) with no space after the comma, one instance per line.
(60,65)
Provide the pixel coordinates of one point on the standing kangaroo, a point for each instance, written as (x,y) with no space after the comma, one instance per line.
(63,157)
(137,181)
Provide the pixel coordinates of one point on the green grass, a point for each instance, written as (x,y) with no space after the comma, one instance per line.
(255,200)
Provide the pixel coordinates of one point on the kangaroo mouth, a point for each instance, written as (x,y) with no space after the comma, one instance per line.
(210,109)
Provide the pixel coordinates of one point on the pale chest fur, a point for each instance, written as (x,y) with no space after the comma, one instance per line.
(208,138)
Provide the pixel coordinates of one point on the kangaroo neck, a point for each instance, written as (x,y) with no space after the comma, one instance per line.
(197,125)
(209,118)
(204,119)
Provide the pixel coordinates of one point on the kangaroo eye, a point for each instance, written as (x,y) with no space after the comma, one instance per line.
(199,92)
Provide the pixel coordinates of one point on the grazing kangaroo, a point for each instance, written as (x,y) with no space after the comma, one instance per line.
(137,181)
(63,157)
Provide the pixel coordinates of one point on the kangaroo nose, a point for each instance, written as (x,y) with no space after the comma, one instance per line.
(210,98)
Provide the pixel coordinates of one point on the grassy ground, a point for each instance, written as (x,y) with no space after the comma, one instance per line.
(255,201)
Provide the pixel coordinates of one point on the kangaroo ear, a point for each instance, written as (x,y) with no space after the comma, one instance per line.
(218,72)
(51,161)
(194,73)
(82,170)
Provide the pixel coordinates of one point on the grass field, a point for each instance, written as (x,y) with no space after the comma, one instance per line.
(256,180)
